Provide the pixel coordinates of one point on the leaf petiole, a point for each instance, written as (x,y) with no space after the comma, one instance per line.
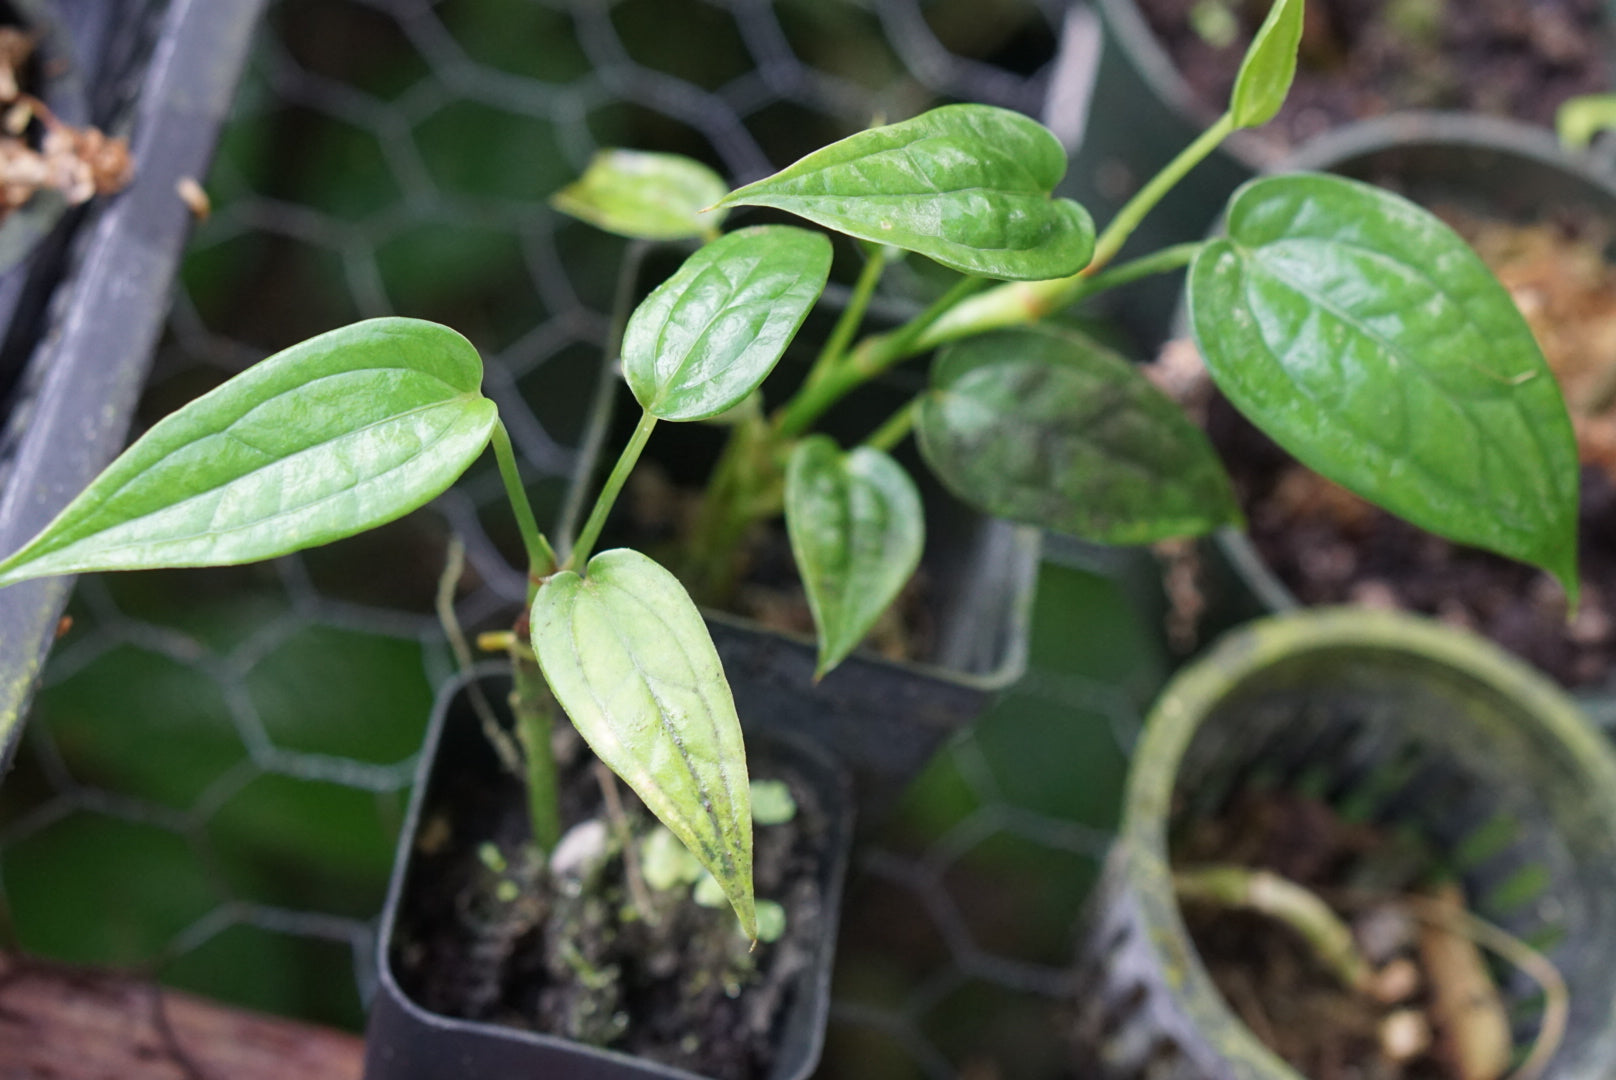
(541,556)
(868,359)
(1144,201)
(1023,303)
(847,324)
(896,427)
(583,546)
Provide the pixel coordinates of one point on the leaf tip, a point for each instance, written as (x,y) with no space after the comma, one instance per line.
(1565,573)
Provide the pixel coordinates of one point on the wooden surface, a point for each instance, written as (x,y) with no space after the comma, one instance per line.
(59,1023)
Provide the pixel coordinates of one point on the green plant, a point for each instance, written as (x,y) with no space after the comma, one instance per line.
(1354,328)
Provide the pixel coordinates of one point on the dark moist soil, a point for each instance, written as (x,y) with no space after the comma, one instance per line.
(1328,546)
(1275,983)
(1363,58)
(533,950)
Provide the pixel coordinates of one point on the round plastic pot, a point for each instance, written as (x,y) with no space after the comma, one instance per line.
(882,719)
(1498,168)
(1429,728)
(405,1041)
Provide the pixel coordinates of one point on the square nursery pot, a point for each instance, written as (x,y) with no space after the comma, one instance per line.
(461,780)
(1419,727)
(84,292)
(882,719)
(1497,170)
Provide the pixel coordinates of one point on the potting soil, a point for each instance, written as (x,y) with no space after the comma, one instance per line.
(492,935)
(1363,58)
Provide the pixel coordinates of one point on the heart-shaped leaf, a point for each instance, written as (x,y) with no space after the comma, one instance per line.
(630,660)
(344,432)
(1269,66)
(644,195)
(1048,428)
(857,530)
(966,185)
(705,338)
(1368,340)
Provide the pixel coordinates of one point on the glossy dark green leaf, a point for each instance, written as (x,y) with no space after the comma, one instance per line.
(1269,66)
(1367,339)
(967,185)
(644,195)
(857,529)
(1051,429)
(705,338)
(347,431)
(630,660)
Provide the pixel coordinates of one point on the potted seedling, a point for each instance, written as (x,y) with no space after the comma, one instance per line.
(1032,423)
(1363,841)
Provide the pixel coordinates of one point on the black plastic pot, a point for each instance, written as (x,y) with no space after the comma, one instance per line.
(407,1042)
(87,315)
(1429,728)
(882,719)
(1502,169)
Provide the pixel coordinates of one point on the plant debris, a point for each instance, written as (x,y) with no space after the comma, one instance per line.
(40,152)
(1327,939)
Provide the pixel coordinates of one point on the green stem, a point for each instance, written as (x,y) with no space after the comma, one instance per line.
(626,461)
(852,316)
(1021,303)
(534,710)
(541,557)
(1285,901)
(1128,218)
(872,356)
(896,427)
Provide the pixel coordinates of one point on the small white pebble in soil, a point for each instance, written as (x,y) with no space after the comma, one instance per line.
(1329,562)
(1397,981)
(1383,932)
(1592,624)
(1405,1034)
(1376,594)
(1456,615)
(581,852)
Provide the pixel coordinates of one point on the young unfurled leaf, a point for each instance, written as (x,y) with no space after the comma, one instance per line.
(1049,428)
(705,338)
(1368,340)
(644,195)
(857,530)
(347,431)
(630,660)
(966,185)
(1269,67)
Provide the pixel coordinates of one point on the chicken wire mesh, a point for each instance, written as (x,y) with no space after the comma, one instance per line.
(213,778)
